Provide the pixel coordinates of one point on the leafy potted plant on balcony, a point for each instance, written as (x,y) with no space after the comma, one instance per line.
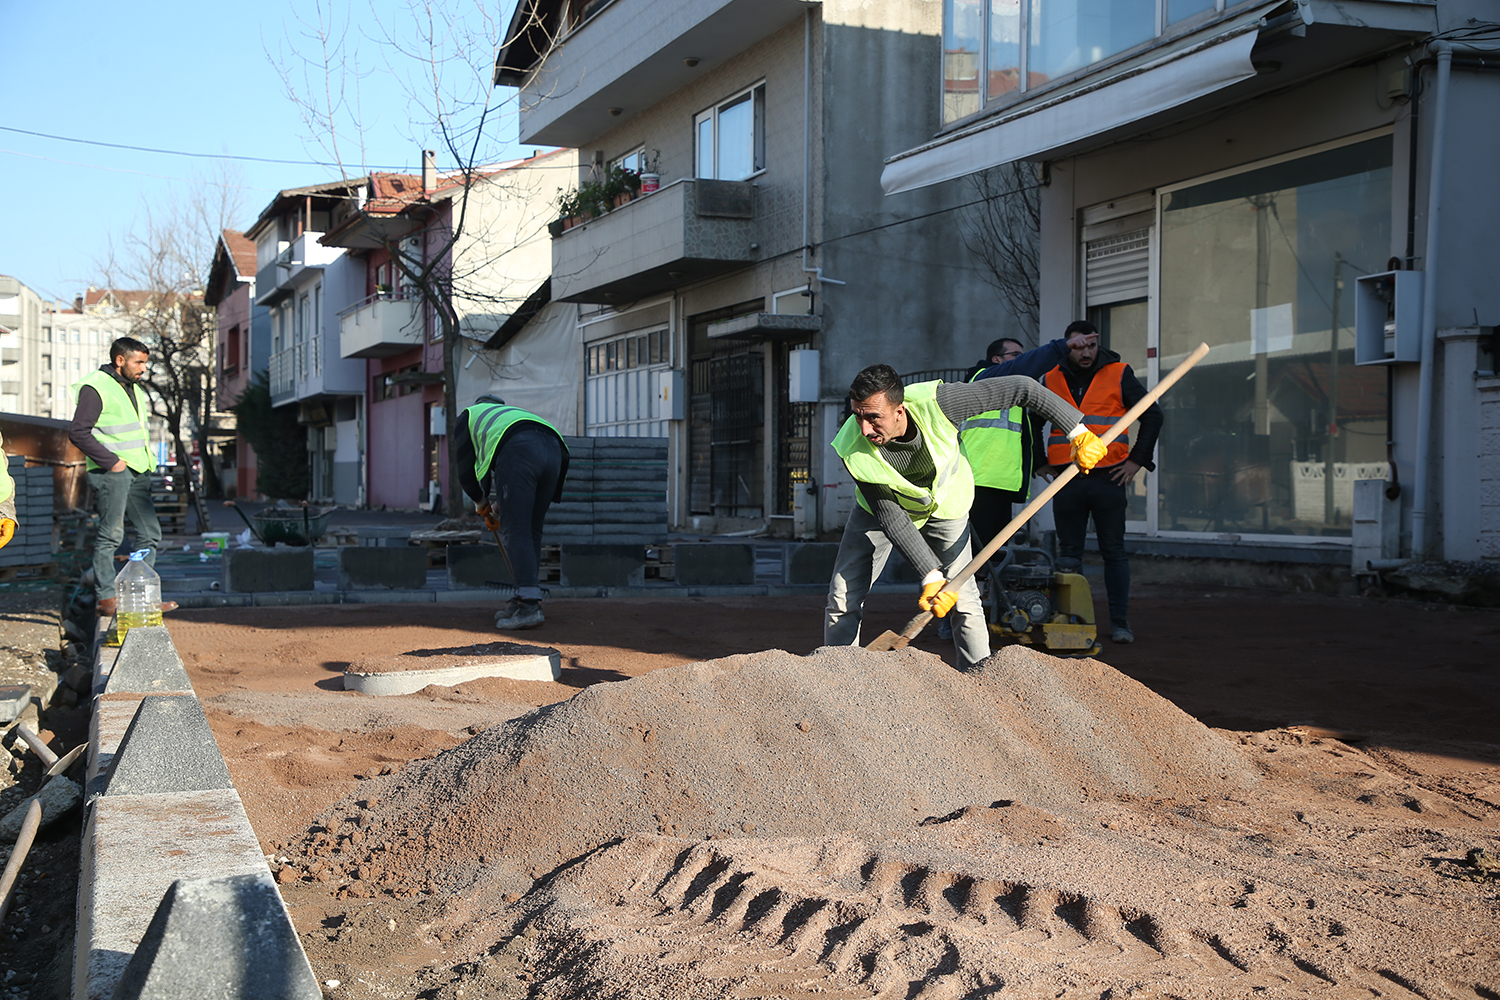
(650,176)
(621,185)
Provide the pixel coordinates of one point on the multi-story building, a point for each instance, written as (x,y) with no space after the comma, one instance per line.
(1307,187)
(242,348)
(484,248)
(304,284)
(729,310)
(24,386)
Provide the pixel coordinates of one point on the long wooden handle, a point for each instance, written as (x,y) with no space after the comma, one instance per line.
(915,626)
(1121,425)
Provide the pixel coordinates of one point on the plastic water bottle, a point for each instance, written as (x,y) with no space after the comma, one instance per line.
(137,594)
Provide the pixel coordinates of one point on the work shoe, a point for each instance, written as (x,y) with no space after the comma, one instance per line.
(519,615)
(1120,632)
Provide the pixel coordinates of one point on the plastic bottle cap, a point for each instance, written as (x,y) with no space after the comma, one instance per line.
(140,554)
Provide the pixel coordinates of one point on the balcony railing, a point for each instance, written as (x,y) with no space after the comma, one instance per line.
(379,326)
(689,230)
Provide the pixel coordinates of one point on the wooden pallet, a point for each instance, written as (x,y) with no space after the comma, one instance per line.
(659,564)
(44,571)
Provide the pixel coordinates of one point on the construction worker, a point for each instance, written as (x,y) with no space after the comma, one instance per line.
(530,462)
(7,500)
(913,489)
(109,427)
(1104,387)
(1004,448)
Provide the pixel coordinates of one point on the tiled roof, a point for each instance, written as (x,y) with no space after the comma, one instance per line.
(242,249)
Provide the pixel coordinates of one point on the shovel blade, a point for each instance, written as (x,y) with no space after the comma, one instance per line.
(887,641)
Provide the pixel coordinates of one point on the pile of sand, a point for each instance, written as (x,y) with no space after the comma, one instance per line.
(767,745)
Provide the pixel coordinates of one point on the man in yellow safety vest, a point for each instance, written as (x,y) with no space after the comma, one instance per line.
(109,427)
(529,462)
(913,489)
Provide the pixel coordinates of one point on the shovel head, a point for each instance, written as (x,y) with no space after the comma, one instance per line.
(887,641)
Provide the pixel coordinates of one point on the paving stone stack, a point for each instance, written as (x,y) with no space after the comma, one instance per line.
(32,545)
(616,493)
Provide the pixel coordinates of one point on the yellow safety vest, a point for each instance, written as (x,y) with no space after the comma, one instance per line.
(991,441)
(952,491)
(120,426)
(488,424)
(7,484)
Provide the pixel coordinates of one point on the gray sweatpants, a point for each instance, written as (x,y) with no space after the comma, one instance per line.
(862,555)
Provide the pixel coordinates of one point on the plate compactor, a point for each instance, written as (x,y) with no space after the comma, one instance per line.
(1027,599)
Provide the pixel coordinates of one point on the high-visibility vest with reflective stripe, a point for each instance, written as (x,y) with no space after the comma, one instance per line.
(952,491)
(120,427)
(991,441)
(7,484)
(488,423)
(1103,404)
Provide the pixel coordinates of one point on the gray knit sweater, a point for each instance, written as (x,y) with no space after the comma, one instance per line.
(911,458)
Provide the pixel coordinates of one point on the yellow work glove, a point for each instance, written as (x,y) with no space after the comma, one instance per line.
(935,599)
(487,512)
(7,531)
(1088,450)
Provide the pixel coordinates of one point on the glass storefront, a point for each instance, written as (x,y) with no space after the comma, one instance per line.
(1269,432)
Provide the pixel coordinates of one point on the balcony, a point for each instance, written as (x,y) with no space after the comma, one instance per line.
(628,55)
(687,231)
(378,327)
(296,260)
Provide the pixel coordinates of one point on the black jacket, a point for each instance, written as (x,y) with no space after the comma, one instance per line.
(1079,380)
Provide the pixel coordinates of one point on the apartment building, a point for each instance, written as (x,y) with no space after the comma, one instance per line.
(1305,186)
(728,310)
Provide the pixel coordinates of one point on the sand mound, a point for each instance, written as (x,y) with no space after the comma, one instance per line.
(771,745)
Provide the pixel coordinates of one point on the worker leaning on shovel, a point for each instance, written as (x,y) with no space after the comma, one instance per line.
(530,462)
(7,501)
(914,488)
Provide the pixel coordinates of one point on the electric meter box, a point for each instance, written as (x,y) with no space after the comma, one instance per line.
(1388,318)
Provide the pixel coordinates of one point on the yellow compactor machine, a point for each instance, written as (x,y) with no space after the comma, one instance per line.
(1028,600)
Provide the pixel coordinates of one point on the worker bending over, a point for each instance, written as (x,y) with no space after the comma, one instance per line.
(913,489)
(7,501)
(530,462)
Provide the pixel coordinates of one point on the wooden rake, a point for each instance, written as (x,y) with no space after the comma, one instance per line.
(888,640)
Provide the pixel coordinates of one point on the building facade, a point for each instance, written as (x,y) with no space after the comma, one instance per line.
(303,285)
(242,349)
(729,310)
(1306,188)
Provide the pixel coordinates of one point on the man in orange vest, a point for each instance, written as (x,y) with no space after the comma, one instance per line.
(1102,386)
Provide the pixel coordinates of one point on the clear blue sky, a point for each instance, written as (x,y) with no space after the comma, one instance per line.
(191,77)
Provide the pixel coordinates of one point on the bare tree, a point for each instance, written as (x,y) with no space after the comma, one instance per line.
(444,56)
(1002,231)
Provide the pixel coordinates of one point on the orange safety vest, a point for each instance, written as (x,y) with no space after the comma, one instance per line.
(1102,405)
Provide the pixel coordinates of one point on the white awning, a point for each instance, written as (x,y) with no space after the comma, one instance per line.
(1130,94)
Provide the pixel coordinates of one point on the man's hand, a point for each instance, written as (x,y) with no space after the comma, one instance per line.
(7,531)
(119,466)
(937,600)
(1077,340)
(1088,450)
(485,511)
(1124,472)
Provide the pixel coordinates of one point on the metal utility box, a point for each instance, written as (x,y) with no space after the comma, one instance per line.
(670,401)
(1388,318)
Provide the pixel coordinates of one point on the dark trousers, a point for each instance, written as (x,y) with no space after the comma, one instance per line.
(1098,496)
(990,513)
(526,470)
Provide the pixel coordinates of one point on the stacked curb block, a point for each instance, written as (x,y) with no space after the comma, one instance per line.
(175,899)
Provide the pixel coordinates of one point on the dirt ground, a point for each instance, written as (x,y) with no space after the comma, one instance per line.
(1357,859)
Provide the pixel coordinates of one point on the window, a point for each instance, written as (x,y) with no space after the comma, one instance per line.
(731,138)
(46,362)
(621,387)
(984,60)
(632,161)
(1270,433)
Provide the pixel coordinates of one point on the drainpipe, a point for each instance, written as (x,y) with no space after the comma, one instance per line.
(816,272)
(1444,53)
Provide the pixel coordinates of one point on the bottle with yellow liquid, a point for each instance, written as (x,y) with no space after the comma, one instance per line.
(137,597)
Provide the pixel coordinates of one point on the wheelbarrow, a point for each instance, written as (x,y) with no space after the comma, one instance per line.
(292,525)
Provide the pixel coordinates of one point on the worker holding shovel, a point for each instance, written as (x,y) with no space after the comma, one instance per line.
(914,488)
(529,462)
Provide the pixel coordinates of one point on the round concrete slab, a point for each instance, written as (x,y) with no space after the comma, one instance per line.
(410,672)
